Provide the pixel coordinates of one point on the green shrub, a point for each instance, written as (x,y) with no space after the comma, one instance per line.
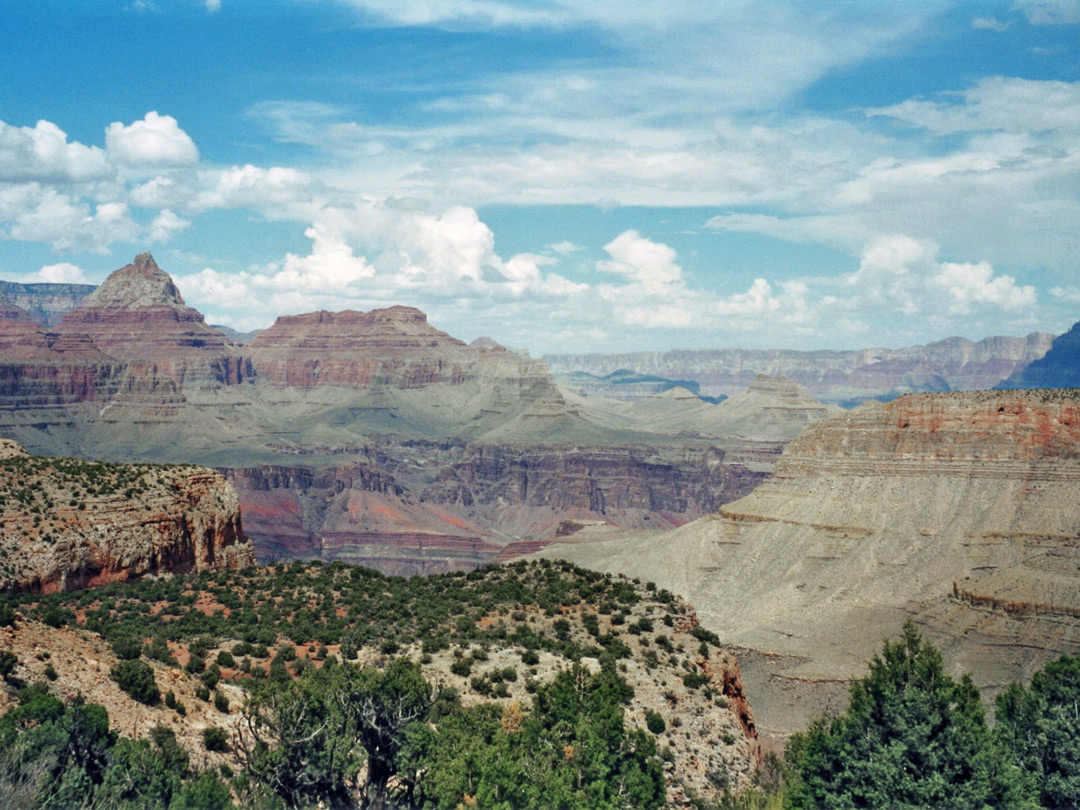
(225,659)
(211,677)
(221,703)
(127,648)
(8,662)
(202,645)
(693,680)
(136,678)
(159,650)
(195,664)
(654,722)
(215,738)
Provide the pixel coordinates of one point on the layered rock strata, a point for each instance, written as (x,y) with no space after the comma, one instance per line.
(357,514)
(407,448)
(957,509)
(68,524)
(387,512)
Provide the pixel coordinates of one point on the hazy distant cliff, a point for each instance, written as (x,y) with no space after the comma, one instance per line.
(45,303)
(954,364)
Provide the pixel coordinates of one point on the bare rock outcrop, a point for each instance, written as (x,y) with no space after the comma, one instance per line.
(956,509)
(68,524)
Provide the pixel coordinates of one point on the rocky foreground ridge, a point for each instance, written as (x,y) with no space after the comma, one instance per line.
(67,524)
(493,636)
(957,509)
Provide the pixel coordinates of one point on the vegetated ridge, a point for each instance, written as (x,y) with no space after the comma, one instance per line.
(233,649)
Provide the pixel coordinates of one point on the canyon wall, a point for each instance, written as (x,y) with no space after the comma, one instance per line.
(372,437)
(423,506)
(45,303)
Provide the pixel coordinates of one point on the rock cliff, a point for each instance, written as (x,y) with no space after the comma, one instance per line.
(414,507)
(67,524)
(847,377)
(355,513)
(957,509)
(409,450)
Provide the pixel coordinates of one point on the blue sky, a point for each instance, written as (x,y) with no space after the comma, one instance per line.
(562,176)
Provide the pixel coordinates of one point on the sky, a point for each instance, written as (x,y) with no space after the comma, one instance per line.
(562,176)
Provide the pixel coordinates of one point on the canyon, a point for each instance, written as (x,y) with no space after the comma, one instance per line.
(956,510)
(373,437)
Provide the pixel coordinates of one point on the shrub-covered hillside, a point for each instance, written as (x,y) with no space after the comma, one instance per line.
(602,689)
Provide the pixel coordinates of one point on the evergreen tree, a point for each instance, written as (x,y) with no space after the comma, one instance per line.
(912,737)
(1041,727)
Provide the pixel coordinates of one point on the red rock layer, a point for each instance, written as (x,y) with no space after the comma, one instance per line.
(982,433)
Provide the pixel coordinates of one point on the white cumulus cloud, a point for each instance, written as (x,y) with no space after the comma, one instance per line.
(156,140)
(165,225)
(43,153)
(968,284)
(62,273)
(648,263)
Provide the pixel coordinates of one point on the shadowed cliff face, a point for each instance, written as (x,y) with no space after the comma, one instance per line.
(388,514)
(959,509)
(67,524)
(1058,368)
